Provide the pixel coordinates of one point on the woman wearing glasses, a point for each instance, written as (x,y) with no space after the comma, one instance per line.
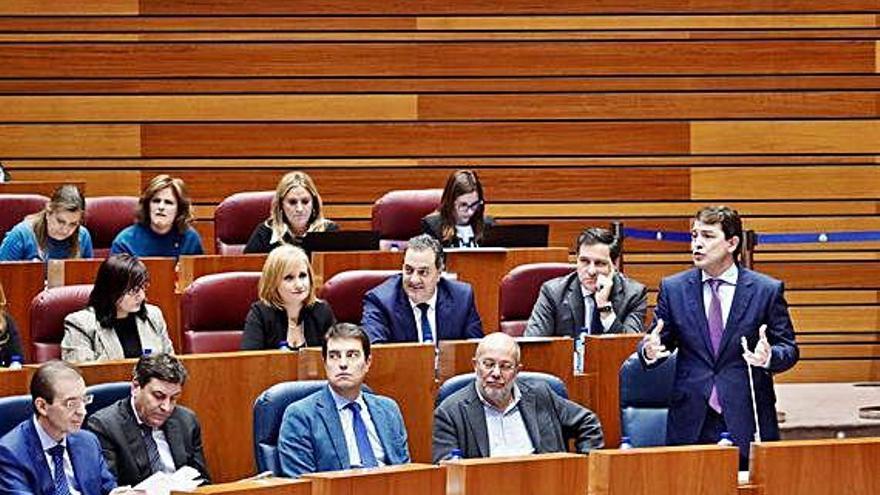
(461,219)
(118,323)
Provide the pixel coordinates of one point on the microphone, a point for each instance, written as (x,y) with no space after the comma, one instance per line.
(745,347)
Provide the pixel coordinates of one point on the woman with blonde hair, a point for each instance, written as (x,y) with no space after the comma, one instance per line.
(56,232)
(297,209)
(10,343)
(288,313)
(460,220)
(164,222)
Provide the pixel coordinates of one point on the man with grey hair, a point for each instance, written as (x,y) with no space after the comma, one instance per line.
(148,432)
(419,305)
(501,415)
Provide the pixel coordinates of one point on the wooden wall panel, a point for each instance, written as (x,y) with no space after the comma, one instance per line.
(436,59)
(69,140)
(64,7)
(790,182)
(408,140)
(832,319)
(840,136)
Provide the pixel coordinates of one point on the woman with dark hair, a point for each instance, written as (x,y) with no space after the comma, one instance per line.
(164,226)
(10,343)
(288,309)
(56,232)
(460,220)
(118,323)
(297,209)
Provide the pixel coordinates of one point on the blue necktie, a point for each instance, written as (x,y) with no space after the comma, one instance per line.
(596,327)
(60,479)
(365,450)
(427,334)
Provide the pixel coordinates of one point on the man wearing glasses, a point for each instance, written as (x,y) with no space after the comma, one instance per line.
(503,416)
(148,432)
(48,454)
(419,305)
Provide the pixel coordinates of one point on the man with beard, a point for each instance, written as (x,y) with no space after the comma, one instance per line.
(419,305)
(48,454)
(148,432)
(705,313)
(502,415)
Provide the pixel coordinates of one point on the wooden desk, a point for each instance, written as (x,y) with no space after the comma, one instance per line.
(691,470)
(604,355)
(423,479)
(817,467)
(15,382)
(404,372)
(163,282)
(193,267)
(22,281)
(547,474)
(267,486)
(221,389)
(483,269)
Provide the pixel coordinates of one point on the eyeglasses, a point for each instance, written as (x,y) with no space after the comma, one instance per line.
(464,207)
(490,364)
(75,403)
(135,290)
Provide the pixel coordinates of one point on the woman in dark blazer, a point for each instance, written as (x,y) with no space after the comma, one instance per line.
(460,220)
(287,314)
(10,343)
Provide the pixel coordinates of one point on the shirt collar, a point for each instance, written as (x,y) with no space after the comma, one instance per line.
(46,441)
(135,411)
(432,302)
(729,276)
(517,395)
(341,402)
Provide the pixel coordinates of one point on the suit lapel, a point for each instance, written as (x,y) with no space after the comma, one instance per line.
(574,298)
(382,422)
(441,315)
(80,461)
(135,439)
(404,315)
(173,435)
(112,346)
(330,416)
(742,295)
(697,312)
(528,411)
(476,421)
(38,458)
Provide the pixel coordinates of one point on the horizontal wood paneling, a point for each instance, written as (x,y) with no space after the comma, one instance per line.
(436,59)
(792,182)
(840,318)
(842,136)
(64,7)
(69,140)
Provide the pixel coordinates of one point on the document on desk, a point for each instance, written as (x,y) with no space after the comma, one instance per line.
(185,479)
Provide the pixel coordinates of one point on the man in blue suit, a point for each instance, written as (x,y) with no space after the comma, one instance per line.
(418,305)
(48,454)
(342,426)
(705,312)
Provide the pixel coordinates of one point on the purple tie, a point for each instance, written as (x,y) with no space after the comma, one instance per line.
(716,328)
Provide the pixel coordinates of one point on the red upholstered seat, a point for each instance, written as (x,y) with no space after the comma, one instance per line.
(48,310)
(397,215)
(519,291)
(344,292)
(14,207)
(213,310)
(105,217)
(237,216)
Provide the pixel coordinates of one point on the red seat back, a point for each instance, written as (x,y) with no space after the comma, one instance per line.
(213,310)
(237,216)
(14,207)
(344,292)
(106,216)
(397,216)
(519,291)
(48,310)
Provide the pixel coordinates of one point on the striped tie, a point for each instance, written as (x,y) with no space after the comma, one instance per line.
(60,479)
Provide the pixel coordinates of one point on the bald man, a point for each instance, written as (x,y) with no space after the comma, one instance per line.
(501,415)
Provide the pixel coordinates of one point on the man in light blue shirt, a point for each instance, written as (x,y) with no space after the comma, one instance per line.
(342,425)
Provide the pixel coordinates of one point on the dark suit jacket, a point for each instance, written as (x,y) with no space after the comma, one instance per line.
(432,226)
(460,422)
(311,438)
(559,310)
(388,316)
(758,299)
(266,327)
(124,447)
(261,237)
(24,470)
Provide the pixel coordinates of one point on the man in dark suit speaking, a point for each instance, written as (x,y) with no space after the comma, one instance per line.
(705,312)
(501,415)
(419,305)
(148,432)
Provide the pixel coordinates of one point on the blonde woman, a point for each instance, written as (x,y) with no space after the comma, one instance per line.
(297,209)
(287,310)
(56,232)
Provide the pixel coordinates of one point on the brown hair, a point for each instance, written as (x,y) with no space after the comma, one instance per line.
(728,219)
(278,221)
(4,335)
(184,216)
(280,262)
(65,198)
(346,331)
(118,274)
(43,381)
(458,183)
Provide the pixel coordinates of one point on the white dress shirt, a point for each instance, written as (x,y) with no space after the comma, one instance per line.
(161,443)
(432,317)
(725,291)
(507,432)
(47,442)
(590,306)
(346,417)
